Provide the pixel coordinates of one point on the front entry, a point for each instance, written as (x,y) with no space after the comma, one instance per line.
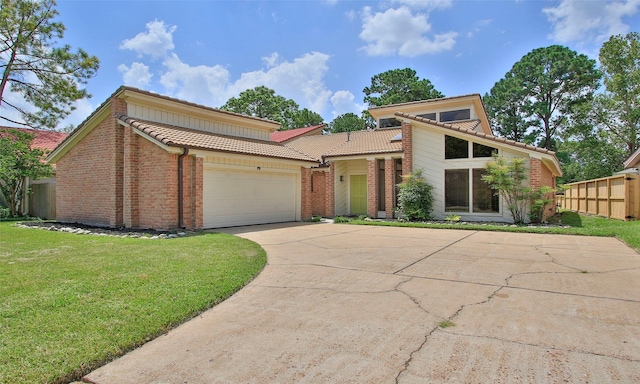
(358,194)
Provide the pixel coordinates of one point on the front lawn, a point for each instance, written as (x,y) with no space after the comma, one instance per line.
(70,303)
(572,224)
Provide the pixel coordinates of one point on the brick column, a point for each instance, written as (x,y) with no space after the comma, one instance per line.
(330,192)
(372,188)
(307,205)
(407,148)
(116,214)
(535,172)
(198,198)
(131,207)
(389,187)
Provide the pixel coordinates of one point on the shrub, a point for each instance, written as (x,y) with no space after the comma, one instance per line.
(340,219)
(540,198)
(415,200)
(507,178)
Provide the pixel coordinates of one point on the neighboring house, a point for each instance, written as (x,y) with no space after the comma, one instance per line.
(40,201)
(143,160)
(292,134)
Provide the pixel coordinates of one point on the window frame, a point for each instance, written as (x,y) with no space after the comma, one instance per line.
(470,195)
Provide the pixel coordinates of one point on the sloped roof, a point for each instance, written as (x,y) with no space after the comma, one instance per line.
(174,136)
(43,139)
(348,143)
(633,160)
(282,136)
(502,140)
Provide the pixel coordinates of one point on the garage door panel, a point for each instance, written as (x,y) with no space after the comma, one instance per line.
(233,198)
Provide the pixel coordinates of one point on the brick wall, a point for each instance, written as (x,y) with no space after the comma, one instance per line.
(330,192)
(318,191)
(306,209)
(372,188)
(540,175)
(407,148)
(88,189)
(113,177)
(389,184)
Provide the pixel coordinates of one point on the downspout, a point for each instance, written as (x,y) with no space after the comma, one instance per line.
(185,152)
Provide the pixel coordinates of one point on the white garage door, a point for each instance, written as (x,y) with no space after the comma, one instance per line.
(233,198)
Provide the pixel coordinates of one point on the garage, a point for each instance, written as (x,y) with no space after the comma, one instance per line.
(234,198)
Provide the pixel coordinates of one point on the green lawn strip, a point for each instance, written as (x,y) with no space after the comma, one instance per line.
(70,303)
(586,225)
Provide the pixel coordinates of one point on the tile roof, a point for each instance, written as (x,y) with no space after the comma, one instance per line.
(348,144)
(282,136)
(468,124)
(429,101)
(174,136)
(45,140)
(456,127)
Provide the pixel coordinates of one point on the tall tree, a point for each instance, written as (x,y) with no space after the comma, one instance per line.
(17,162)
(347,122)
(552,82)
(618,108)
(398,86)
(47,76)
(505,110)
(306,118)
(264,103)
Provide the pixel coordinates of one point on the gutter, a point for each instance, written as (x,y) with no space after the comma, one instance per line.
(185,152)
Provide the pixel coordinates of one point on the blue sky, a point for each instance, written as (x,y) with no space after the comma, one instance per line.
(322,53)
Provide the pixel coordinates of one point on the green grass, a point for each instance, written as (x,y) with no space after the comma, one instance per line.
(627,231)
(70,303)
(446,324)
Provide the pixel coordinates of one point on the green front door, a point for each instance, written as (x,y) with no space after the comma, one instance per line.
(358,194)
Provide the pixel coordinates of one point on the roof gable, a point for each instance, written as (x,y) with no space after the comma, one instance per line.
(550,155)
(633,160)
(283,136)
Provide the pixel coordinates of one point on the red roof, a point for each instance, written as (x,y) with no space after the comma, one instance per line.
(282,136)
(45,140)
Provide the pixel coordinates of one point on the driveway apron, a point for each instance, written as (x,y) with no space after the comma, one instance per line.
(365,304)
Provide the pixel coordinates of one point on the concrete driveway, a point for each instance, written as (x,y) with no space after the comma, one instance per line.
(358,304)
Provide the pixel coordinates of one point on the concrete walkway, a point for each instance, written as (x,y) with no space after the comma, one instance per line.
(357,304)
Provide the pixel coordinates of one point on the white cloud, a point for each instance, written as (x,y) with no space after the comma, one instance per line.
(342,102)
(301,79)
(589,21)
(138,75)
(199,84)
(156,42)
(400,31)
(271,60)
(426,4)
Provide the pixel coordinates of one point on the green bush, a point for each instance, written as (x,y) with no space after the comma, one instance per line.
(540,199)
(340,219)
(4,212)
(415,199)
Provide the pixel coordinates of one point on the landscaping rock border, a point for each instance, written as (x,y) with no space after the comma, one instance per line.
(81,229)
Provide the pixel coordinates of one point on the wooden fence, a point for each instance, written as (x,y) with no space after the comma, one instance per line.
(42,199)
(616,197)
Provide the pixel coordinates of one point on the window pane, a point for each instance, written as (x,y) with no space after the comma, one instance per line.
(484,198)
(430,116)
(456,190)
(390,122)
(381,186)
(460,114)
(455,148)
(480,150)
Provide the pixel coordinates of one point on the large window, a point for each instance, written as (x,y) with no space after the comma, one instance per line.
(458,190)
(390,122)
(480,150)
(430,116)
(460,114)
(455,148)
(485,200)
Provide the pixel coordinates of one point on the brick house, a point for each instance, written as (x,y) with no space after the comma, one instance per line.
(143,160)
